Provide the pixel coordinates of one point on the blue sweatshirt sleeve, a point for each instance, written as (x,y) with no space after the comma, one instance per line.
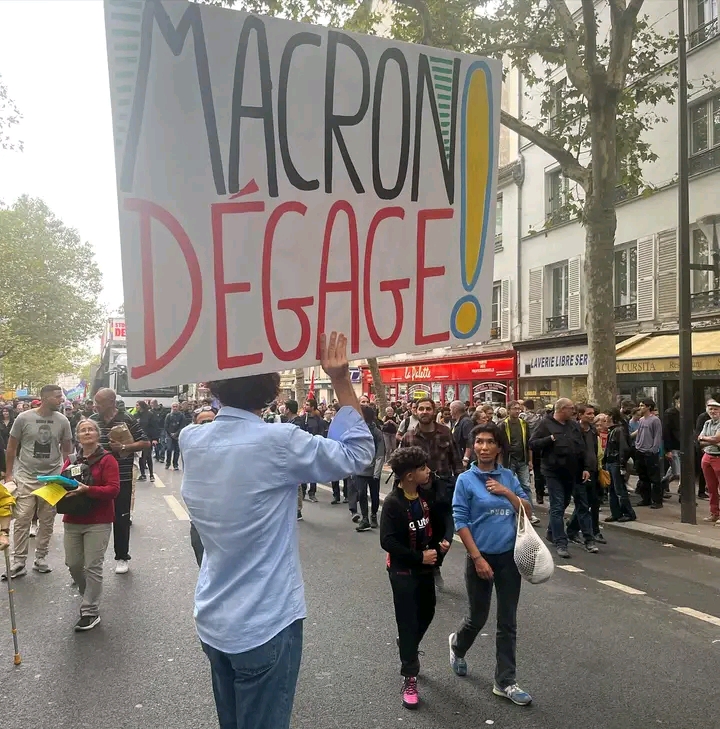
(461,503)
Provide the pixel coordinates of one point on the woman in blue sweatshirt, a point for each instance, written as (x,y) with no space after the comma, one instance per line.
(485,506)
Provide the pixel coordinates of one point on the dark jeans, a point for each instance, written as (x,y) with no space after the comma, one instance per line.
(146,459)
(256,689)
(414,600)
(507,590)
(160,446)
(619,499)
(172,452)
(121,526)
(336,489)
(649,486)
(561,488)
(196,544)
(594,498)
(359,494)
(538,476)
(313,489)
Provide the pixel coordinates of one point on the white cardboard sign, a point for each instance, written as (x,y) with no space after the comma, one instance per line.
(277,180)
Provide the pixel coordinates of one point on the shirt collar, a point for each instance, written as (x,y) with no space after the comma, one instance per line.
(494,473)
(227,412)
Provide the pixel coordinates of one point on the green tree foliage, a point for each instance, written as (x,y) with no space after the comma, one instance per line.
(50,306)
(9,117)
(616,75)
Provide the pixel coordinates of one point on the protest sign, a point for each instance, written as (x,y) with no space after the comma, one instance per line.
(277,180)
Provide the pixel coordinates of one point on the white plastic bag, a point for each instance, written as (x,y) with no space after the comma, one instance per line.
(533,559)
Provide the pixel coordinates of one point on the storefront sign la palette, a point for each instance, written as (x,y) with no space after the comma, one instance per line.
(277,180)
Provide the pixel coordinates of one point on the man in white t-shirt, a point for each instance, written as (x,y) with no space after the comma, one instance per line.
(40,441)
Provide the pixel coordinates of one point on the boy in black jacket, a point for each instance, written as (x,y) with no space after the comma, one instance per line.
(416,535)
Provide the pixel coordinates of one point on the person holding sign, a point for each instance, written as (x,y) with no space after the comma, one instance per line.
(240,483)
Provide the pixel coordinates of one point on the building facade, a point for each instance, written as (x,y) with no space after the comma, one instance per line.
(538,301)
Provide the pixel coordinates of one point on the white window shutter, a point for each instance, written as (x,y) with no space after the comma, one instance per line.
(505,333)
(536,290)
(574,304)
(646,278)
(667,273)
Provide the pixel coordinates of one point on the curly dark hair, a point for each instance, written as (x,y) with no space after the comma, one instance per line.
(247,393)
(404,460)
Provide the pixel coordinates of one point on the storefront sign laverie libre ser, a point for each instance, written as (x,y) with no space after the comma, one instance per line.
(567,361)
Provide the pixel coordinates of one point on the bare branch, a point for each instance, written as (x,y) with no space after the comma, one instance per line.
(588,7)
(420,6)
(570,166)
(576,73)
(622,34)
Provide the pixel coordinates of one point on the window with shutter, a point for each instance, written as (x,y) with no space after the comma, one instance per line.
(646,278)
(535,300)
(574,303)
(667,304)
(505,333)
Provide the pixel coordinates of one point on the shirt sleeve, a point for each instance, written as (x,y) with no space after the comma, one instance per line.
(517,489)
(66,432)
(17,428)
(460,504)
(349,448)
(658,439)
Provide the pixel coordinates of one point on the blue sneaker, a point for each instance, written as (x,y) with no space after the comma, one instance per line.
(459,665)
(514,693)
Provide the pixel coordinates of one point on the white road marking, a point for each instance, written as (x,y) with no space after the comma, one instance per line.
(569,568)
(621,587)
(158,483)
(177,508)
(697,614)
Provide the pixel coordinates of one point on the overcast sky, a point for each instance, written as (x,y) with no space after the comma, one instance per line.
(53,61)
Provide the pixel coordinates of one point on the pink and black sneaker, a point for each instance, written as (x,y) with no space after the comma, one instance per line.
(410,696)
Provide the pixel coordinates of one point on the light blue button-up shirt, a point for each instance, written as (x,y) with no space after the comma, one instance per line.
(240,483)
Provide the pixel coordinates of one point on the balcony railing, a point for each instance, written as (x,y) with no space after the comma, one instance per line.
(703,33)
(495,333)
(623,193)
(626,313)
(557,323)
(705,301)
(556,217)
(707,160)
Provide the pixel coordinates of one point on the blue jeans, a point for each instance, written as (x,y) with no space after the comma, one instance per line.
(522,471)
(256,690)
(561,488)
(619,499)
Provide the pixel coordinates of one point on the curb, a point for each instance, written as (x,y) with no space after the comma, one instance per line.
(659,534)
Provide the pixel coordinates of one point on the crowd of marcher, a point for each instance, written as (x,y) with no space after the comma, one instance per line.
(461,469)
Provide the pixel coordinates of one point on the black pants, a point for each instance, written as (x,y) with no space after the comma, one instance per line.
(196,544)
(507,589)
(538,476)
(649,485)
(146,459)
(172,452)
(336,489)
(414,599)
(594,499)
(313,489)
(121,526)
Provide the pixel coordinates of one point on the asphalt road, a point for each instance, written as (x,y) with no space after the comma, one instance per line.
(593,655)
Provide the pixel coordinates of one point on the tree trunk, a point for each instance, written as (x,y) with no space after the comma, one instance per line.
(380,390)
(600,225)
(300,387)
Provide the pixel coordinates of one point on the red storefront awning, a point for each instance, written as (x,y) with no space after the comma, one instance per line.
(498,369)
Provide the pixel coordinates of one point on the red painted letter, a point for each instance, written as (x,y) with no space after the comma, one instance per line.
(222,289)
(395,285)
(352,285)
(424,273)
(149,210)
(296,305)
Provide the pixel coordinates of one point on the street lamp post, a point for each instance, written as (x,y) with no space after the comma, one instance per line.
(688,509)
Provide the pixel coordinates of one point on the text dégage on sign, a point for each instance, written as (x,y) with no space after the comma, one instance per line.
(277,180)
